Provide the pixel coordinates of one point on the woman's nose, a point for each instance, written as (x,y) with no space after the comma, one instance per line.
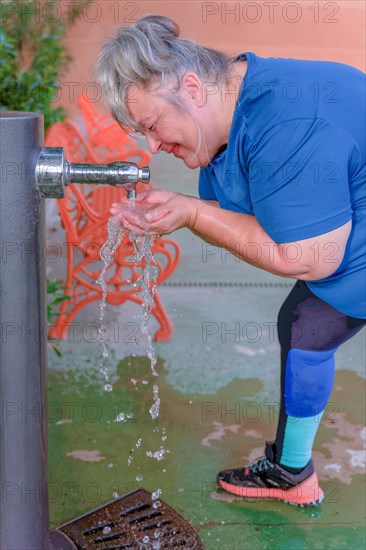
(154,144)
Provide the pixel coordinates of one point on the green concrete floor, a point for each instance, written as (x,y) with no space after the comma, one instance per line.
(219,396)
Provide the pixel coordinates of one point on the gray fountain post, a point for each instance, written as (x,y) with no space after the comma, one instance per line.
(29,173)
(23,427)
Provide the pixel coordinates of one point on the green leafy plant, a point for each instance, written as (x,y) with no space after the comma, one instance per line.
(55,295)
(33,58)
(32,55)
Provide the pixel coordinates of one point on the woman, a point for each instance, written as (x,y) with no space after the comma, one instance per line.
(280,144)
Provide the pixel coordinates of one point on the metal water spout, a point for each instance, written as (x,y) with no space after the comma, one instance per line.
(54,173)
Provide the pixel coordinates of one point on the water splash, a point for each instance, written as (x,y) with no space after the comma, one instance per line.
(156,494)
(121,417)
(159,455)
(147,282)
(155,408)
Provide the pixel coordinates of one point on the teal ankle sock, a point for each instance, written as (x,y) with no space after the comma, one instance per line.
(298,441)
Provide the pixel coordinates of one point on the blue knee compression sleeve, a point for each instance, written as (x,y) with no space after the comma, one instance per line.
(308,384)
(308,381)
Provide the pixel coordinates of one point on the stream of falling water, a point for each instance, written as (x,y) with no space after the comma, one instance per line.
(147,281)
(115,236)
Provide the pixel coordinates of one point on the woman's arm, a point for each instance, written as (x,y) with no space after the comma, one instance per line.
(241,234)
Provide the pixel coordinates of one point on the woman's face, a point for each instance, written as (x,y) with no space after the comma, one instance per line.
(173,130)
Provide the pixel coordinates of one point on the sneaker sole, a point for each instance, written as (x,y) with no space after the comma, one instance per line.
(307,493)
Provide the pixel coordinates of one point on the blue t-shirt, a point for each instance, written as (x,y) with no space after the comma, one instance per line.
(295,159)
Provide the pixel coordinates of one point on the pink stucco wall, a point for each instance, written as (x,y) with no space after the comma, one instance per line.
(303,29)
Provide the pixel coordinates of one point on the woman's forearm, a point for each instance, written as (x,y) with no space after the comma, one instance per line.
(310,259)
(242,235)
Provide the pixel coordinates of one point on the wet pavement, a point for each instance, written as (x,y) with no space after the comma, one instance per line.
(219,390)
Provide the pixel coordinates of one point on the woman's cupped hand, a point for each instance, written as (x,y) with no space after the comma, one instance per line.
(156,212)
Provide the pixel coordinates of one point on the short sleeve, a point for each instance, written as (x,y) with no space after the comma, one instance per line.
(205,188)
(299,179)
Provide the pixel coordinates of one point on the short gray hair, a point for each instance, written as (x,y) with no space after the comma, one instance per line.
(150,52)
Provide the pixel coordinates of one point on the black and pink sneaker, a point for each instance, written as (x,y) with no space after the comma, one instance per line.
(265,479)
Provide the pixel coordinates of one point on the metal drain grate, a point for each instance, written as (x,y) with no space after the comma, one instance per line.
(131,522)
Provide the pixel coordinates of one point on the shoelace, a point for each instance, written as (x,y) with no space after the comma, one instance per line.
(263,464)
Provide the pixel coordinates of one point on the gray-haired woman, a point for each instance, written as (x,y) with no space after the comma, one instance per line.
(280,144)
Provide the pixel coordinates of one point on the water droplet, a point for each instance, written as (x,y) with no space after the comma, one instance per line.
(110,465)
(106,530)
(159,455)
(120,417)
(139,478)
(154,409)
(108,387)
(156,494)
(145,540)
(115,495)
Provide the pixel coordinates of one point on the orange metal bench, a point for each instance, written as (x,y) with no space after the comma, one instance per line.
(84,215)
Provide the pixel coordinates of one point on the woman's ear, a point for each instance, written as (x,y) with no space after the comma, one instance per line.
(193,88)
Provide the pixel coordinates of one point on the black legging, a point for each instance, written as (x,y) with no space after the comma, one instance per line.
(308,329)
